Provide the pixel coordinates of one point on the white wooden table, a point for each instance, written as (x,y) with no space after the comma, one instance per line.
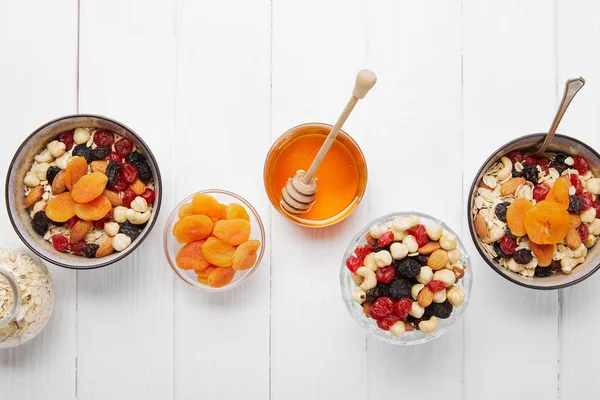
(210,85)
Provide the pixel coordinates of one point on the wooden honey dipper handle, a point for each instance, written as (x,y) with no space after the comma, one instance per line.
(365,80)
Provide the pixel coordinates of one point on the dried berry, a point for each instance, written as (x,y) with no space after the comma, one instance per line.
(508,233)
(77,247)
(71,222)
(441,310)
(131,230)
(128,197)
(119,186)
(112,172)
(583,231)
(530,173)
(83,151)
(558,163)
(144,171)
(541,191)
(575,204)
(400,288)
(499,251)
(387,322)
(381,308)
(596,206)
(420,258)
(114,156)
(381,290)
(543,164)
(371,295)
(576,182)
(149,196)
(104,138)
(40,222)
(67,139)
(100,153)
(508,245)
(516,174)
(51,174)
(89,250)
(123,147)
(360,251)
(530,160)
(60,242)
(353,263)
(408,268)
(543,271)
(402,307)
(501,211)
(523,256)
(128,173)
(515,156)
(385,240)
(588,200)
(385,274)
(135,157)
(436,286)
(581,165)
(420,234)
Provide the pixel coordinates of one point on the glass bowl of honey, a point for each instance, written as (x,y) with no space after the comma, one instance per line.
(341,177)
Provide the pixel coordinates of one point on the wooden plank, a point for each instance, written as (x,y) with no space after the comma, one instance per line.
(578,34)
(223,130)
(509,55)
(38,84)
(125,311)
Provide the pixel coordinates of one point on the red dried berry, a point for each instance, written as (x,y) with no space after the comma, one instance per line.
(385,239)
(353,263)
(541,191)
(581,165)
(596,206)
(67,139)
(583,232)
(70,223)
(124,147)
(128,173)
(387,322)
(99,224)
(119,186)
(104,138)
(382,307)
(60,242)
(436,286)
(128,197)
(588,200)
(576,182)
(420,233)
(543,163)
(402,307)
(529,160)
(385,274)
(149,196)
(114,156)
(77,247)
(515,156)
(508,245)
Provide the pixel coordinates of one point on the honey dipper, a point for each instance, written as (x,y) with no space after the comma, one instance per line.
(298,195)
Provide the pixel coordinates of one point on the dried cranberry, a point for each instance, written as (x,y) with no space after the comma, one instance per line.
(382,307)
(60,242)
(128,173)
(99,224)
(128,197)
(104,138)
(402,307)
(436,286)
(149,196)
(596,205)
(77,247)
(588,199)
(529,160)
(508,245)
(515,156)
(353,263)
(576,182)
(543,163)
(123,147)
(420,233)
(119,186)
(387,322)
(581,165)
(71,222)
(385,239)
(360,251)
(541,191)
(583,232)
(115,157)
(67,139)
(385,274)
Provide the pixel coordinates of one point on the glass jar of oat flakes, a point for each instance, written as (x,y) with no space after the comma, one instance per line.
(26,296)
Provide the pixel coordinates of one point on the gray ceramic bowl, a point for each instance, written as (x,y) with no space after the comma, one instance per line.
(560,143)
(20,164)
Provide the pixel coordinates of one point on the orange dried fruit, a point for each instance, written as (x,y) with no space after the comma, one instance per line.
(206,205)
(88,187)
(203,281)
(221,277)
(76,168)
(245,255)
(93,210)
(223,208)
(185,210)
(61,208)
(218,252)
(515,216)
(560,192)
(232,231)
(543,252)
(190,257)
(547,222)
(235,211)
(192,228)
(205,273)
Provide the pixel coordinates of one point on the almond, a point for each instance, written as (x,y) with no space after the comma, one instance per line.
(105,248)
(99,166)
(429,248)
(138,187)
(114,198)
(575,220)
(438,259)
(425,297)
(58,184)
(80,229)
(408,327)
(573,240)
(367,309)
(484,186)
(511,186)
(34,196)
(481,227)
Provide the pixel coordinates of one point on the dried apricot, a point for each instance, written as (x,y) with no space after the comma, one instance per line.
(218,252)
(245,255)
(543,252)
(190,257)
(547,222)
(61,208)
(192,228)
(185,210)
(560,192)
(221,277)
(203,281)
(88,187)
(235,211)
(223,208)
(232,231)
(515,216)
(76,168)
(205,273)
(93,210)
(206,205)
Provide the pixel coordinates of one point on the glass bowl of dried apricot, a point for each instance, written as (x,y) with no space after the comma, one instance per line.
(214,240)
(536,219)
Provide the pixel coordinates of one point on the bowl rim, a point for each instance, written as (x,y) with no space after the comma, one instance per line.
(484,256)
(250,271)
(139,240)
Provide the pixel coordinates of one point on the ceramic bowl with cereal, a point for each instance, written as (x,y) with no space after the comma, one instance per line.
(83,191)
(406,278)
(534,219)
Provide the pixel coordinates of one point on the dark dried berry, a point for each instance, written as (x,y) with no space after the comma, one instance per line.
(371,295)
(441,310)
(51,174)
(112,172)
(575,203)
(99,153)
(408,268)
(509,233)
(561,157)
(558,163)
(40,222)
(82,150)
(516,174)
(543,271)
(135,157)
(400,288)
(530,173)
(420,258)
(523,256)
(131,230)
(415,321)
(383,289)
(144,171)
(89,250)
(501,211)
(499,251)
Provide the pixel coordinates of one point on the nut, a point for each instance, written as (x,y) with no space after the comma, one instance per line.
(370,279)
(80,229)
(120,214)
(34,196)
(575,220)
(593,185)
(405,223)
(398,329)
(481,227)
(455,296)
(138,218)
(357,279)
(429,248)
(111,228)
(446,276)
(138,187)
(434,231)
(62,161)
(98,166)
(383,258)
(114,198)
(121,242)
(58,184)
(416,310)
(44,157)
(510,186)
(409,327)
(425,297)
(496,233)
(594,227)
(454,256)
(414,291)
(377,230)
(429,325)
(411,243)
(589,242)
(567,264)
(359,296)
(437,259)
(459,270)
(31,179)
(398,235)
(439,296)
(506,170)
(398,250)
(369,262)
(425,275)
(588,216)
(41,171)
(573,240)
(448,241)
(140,205)
(81,135)
(56,148)
(41,205)
(105,248)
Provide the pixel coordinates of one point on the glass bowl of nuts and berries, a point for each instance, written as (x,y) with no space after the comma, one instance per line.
(83,191)
(535,219)
(406,278)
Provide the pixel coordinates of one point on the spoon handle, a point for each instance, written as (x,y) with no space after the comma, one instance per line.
(572,86)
